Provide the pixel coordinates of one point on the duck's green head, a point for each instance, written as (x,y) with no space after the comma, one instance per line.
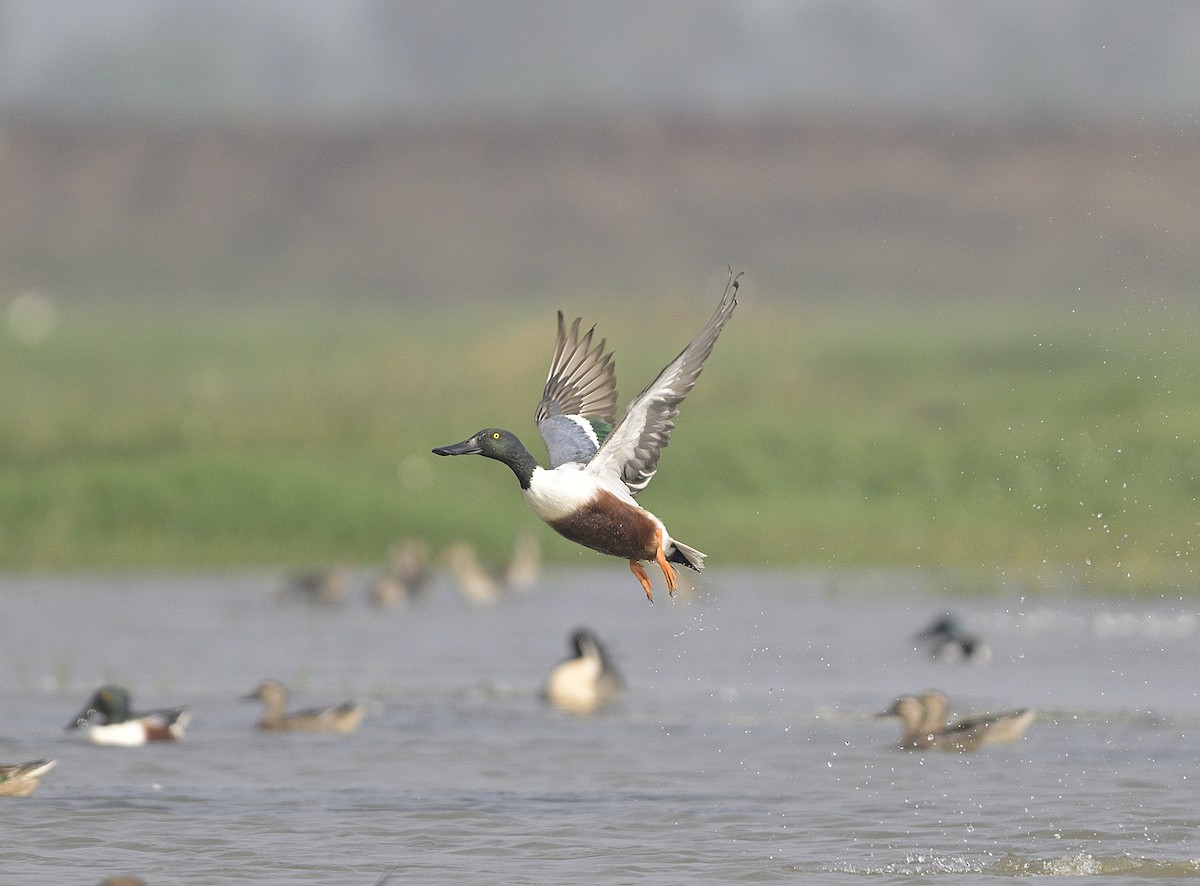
(110,704)
(499,444)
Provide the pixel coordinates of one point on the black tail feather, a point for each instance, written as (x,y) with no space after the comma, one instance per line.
(676,556)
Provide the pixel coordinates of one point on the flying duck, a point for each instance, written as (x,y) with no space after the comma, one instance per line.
(596,469)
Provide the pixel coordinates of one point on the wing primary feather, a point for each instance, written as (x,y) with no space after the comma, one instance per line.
(581,386)
(633,447)
(582,378)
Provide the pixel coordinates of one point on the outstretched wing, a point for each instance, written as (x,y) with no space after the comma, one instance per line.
(579,402)
(632,449)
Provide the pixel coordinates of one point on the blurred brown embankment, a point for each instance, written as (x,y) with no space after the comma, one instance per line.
(511,205)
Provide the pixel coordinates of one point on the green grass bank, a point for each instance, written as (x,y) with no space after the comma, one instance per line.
(1041,442)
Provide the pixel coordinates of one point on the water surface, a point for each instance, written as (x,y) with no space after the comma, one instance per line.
(746,749)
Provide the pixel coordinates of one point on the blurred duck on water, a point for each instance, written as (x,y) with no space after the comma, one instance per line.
(343,718)
(406,576)
(478,583)
(585,682)
(1004,727)
(22,779)
(321,587)
(587,494)
(924,725)
(948,641)
(109,720)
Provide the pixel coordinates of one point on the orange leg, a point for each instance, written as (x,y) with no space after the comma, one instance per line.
(636,568)
(667,569)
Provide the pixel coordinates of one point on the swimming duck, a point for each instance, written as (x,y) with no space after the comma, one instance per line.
(911,713)
(480,583)
(119,726)
(322,587)
(1007,726)
(406,576)
(924,724)
(587,680)
(949,641)
(343,718)
(526,563)
(921,731)
(596,469)
(21,779)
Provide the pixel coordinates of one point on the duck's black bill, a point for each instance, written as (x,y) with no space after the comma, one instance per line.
(80,719)
(466,447)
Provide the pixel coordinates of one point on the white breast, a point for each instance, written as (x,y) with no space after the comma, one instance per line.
(561,492)
(572,685)
(128,734)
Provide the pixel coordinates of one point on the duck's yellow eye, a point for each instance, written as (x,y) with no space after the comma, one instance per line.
(495,435)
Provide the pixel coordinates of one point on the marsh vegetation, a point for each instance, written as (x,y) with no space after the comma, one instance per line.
(1039,441)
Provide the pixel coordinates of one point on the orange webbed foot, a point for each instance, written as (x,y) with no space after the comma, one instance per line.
(636,568)
(668,570)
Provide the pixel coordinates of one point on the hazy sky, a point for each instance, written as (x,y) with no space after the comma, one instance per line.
(312,56)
